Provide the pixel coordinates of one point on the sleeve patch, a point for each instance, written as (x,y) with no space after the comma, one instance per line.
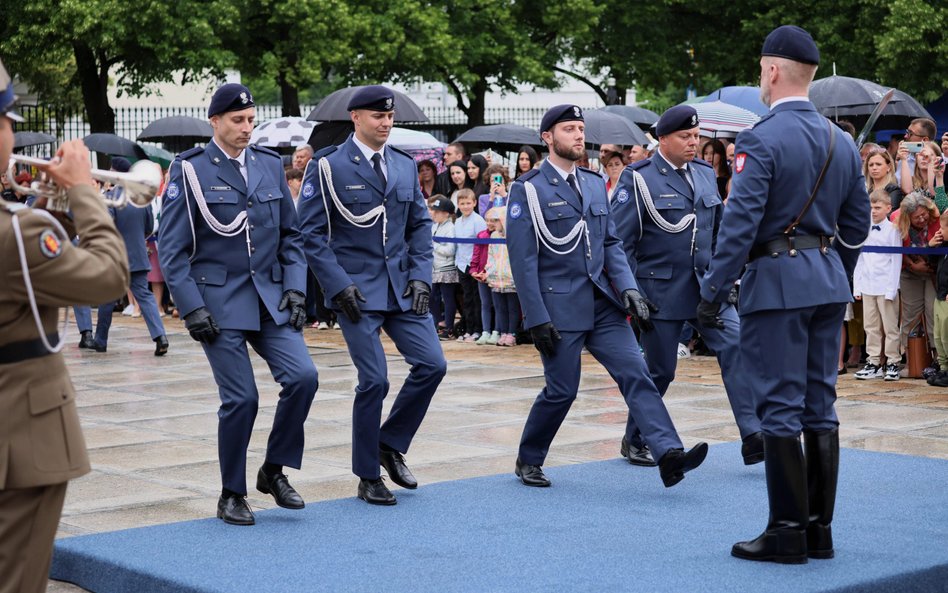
(515,210)
(172,191)
(740,160)
(50,245)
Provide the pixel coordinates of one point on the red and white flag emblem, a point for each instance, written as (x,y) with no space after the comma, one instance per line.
(739,161)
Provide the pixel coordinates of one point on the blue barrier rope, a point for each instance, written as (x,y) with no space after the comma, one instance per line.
(905,250)
(468,240)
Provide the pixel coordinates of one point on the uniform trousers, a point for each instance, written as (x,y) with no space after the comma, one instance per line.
(941,333)
(416,340)
(790,357)
(613,344)
(29,518)
(286,355)
(881,319)
(146,301)
(918,295)
(661,354)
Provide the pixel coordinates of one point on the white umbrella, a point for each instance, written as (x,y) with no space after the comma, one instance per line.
(722,120)
(413,139)
(282,132)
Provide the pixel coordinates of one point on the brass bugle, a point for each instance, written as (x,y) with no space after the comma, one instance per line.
(137,187)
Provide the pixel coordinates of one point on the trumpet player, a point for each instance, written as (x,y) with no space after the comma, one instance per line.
(41,443)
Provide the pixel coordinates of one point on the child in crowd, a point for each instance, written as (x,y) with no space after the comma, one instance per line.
(444,275)
(941,304)
(477,270)
(467,226)
(876,284)
(500,279)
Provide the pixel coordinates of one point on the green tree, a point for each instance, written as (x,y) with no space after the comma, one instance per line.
(143,41)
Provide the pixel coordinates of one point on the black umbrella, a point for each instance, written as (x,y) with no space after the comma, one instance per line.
(853,99)
(608,128)
(24,139)
(333,107)
(329,133)
(640,116)
(106,143)
(501,136)
(177,127)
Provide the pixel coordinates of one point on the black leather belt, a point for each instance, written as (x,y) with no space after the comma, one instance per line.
(790,244)
(20,351)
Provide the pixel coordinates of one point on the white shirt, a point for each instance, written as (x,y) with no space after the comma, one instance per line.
(683,167)
(877,274)
(789,99)
(563,172)
(368,152)
(240,158)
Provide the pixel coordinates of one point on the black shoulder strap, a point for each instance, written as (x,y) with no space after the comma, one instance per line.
(819,181)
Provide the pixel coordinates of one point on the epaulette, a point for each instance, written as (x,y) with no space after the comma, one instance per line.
(697,161)
(190,152)
(528,175)
(762,119)
(402,151)
(266,150)
(324,152)
(588,170)
(639,164)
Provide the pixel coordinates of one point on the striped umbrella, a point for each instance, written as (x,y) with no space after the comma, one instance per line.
(721,120)
(282,132)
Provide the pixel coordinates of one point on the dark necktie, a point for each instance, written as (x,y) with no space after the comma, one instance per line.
(236,165)
(684,177)
(571,180)
(377,165)
(876,227)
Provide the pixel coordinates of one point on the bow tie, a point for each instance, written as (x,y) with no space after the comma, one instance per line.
(876,227)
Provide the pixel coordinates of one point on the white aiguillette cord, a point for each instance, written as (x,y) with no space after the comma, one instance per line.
(236,226)
(363,221)
(543,234)
(24,266)
(641,189)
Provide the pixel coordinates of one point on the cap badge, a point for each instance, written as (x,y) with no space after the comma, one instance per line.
(243,98)
(577,111)
(389,103)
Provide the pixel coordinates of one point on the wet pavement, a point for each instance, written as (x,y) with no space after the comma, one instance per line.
(151,425)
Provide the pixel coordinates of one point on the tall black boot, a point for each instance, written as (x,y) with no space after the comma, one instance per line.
(822,471)
(784,540)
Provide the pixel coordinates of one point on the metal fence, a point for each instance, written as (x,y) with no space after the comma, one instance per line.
(446,123)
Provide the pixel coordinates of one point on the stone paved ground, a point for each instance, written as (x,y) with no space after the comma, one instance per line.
(150,423)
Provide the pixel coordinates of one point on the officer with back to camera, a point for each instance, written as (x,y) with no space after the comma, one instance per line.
(41,444)
(667,211)
(576,288)
(368,240)
(798,209)
(231,252)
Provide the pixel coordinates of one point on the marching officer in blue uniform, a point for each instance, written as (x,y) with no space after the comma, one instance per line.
(367,238)
(575,287)
(667,211)
(135,224)
(232,255)
(799,212)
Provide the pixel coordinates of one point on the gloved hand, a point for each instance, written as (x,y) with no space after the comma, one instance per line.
(348,300)
(420,293)
(201,325)
(545,338)
(734,295)
(296,301)
(707,315)
(640,308)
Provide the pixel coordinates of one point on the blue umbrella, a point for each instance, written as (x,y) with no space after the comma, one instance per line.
(745,97)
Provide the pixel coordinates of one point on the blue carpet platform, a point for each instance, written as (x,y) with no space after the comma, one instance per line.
(602,527)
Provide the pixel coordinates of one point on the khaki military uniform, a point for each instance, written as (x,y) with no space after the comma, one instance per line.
(41,444)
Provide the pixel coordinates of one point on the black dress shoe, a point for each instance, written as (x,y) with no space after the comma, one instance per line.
(277,485)
(398,472)
(753,449)
(86,341)
(637,455)
(531,475)
(675,463)
(376,492)
(161,345)
(98,347)
(233,509)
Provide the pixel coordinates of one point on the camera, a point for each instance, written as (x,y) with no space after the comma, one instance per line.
(914,146)
(498,179)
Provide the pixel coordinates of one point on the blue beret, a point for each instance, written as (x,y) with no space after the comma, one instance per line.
(374,98)
(793,43)
(230,97)
(121,164)
(679,117)
(7,98)
(555,115)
